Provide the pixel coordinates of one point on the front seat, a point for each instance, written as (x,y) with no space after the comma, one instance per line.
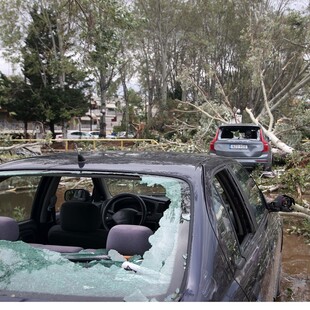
(79,226)
(129,240)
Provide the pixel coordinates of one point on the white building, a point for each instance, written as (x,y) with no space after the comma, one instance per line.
(92,119)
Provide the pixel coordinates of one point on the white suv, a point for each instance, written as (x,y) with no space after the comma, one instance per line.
(76,134)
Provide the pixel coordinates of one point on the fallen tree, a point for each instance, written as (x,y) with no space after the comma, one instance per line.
(271,135)
(28,148)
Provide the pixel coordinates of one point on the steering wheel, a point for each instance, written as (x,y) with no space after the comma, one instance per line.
(124,214)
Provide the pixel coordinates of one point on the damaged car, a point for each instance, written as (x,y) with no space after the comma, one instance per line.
(244,142)
(126,226)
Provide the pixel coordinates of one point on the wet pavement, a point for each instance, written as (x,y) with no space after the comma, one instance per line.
(295,282)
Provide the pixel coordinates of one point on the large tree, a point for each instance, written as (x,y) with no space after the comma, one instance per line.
(217,55)
(243,55)
(102,24)
(41,36)
(21,102)
(157,40)
(52,75)
(279,62)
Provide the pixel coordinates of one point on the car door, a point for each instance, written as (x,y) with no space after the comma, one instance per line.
(247,248)
(267,237)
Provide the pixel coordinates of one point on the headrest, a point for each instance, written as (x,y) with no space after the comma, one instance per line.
(227,134)
(129,239)
(9,229)
(77,194)
(79,216)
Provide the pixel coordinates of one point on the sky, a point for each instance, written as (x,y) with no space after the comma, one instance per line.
(6,67)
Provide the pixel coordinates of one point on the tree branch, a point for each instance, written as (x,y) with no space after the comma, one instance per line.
(271,119)
(297,214)
(276,141)
(303,82)
(203,111)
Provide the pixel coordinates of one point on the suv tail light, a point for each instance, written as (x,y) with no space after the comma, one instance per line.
(265,143)
(214,140)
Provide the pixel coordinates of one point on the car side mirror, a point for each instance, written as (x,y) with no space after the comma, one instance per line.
(281,203)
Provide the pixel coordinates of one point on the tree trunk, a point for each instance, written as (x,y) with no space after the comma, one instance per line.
(103,124)
(164,87)
(297,214)
(149,83)
(52,129)
(26,129)
(276,141)
(125,91)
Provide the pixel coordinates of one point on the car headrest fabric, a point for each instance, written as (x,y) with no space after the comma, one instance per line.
(129,239)
(9,229)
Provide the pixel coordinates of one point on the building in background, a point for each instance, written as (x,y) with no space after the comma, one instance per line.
(91,120)
(88,122)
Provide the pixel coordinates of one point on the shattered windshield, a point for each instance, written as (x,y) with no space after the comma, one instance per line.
(104,273)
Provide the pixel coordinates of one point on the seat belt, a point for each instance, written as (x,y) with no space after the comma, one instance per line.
(51,208)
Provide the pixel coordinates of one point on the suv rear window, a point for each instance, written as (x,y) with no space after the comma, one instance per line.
(239,132)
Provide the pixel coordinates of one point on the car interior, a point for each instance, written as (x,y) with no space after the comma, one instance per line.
(239,133)
(87,219)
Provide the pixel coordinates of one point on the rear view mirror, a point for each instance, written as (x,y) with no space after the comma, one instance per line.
(281,203)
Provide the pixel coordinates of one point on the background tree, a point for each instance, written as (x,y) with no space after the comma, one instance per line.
(52,76)
(45,51)
(21,102)
(102,23)
(217,56)
(156,49)
(280,66)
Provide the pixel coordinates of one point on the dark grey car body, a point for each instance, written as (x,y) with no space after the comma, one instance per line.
(221,264)
(244,142)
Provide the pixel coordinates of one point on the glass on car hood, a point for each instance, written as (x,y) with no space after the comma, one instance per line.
(30,271)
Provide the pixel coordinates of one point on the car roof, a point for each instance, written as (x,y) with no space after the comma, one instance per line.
(118,161)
